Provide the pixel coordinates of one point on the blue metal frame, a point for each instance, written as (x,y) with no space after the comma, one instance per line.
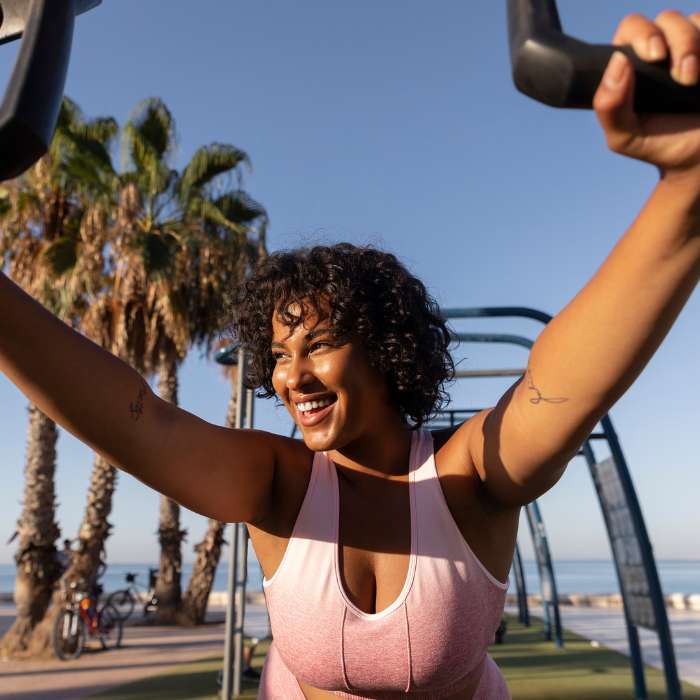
(521,587)
(548,582)
(662,629)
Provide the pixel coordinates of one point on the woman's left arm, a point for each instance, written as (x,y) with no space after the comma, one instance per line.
(595,348)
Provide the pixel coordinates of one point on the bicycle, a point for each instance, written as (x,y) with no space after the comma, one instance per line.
(83,616)
(124,600)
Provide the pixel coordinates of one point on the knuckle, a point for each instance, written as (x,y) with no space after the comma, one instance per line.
(631,27)
(669,15)
(635,18)
(619,142)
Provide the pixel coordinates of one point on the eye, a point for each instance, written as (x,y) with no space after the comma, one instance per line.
(320,344)
(278,355)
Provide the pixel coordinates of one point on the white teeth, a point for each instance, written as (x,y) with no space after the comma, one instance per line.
(310,405)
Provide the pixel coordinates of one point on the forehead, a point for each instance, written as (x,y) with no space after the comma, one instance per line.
(311,319)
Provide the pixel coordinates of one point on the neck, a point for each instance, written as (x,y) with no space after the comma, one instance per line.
(384,453)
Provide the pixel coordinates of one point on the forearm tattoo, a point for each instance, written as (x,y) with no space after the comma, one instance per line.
(136,407)
(539,398)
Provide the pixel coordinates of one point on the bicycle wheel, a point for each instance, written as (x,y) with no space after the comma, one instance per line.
(68,635)
(123,602)
(110,627)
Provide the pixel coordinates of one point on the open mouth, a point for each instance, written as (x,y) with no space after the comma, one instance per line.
(313,412)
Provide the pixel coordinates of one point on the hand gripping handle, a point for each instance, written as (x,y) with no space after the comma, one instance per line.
(561,71)
(31,104)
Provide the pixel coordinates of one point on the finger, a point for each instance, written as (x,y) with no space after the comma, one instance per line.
(683,39)
(644,36)
(614,104)
(695,19)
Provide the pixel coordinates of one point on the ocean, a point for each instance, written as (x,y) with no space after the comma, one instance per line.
(582,576)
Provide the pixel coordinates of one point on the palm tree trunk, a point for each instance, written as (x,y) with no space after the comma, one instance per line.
(87,559)
(168,585)
(37,564)
(208,551)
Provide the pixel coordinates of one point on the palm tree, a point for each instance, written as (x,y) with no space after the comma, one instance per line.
(47,222)
(169,234)
(217,272)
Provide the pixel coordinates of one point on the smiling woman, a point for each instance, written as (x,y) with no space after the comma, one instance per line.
(355,293)
(355,348)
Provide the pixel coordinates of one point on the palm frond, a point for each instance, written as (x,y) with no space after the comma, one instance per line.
(207,163)
(153,126)
(239,207)
(209,211)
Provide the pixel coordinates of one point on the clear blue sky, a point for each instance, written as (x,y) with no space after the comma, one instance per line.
(398,127)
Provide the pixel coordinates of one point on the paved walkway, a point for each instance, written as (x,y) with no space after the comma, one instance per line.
(607,626)
(146,651)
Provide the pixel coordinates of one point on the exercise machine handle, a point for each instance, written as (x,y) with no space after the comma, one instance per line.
(30,107)
(561,71)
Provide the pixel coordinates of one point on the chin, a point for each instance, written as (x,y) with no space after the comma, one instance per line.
(332,438)
(320,443)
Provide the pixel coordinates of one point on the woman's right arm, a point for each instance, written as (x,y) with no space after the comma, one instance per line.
(222,473)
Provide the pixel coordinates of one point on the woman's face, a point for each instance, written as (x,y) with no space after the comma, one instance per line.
(327,385)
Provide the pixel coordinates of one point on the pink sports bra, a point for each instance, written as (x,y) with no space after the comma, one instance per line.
(429,643)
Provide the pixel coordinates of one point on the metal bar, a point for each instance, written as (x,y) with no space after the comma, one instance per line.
(227,681)
(636,660)
(463,374)
(497,312)
(242,580)
(521,586)
(541,571)
(547,557)
(242,567)
(673,687)
(505,338)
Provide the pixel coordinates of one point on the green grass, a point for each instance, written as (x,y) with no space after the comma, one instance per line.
(534,669)
(537,670)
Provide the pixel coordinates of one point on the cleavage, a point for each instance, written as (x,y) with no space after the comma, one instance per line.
(374,542)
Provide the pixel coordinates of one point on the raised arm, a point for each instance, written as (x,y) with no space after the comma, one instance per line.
(595,348)
(224,474)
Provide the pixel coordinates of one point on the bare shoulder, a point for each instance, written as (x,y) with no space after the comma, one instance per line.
(293,463)
(488,526)
(459,459)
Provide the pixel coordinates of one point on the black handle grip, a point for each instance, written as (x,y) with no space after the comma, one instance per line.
(561,71)
(31,104)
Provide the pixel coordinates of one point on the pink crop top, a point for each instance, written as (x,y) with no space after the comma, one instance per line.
(429,643)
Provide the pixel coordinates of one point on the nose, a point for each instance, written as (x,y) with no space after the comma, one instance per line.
(298,374)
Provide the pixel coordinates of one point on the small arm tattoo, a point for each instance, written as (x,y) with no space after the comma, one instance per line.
(539,398)
(136,407)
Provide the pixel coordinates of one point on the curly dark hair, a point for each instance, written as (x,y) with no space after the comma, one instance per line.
(363,292)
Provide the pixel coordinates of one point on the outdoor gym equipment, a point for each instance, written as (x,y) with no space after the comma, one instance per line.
(31,104)
(635,566)
(561,71)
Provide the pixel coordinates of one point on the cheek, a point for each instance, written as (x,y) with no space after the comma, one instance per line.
(279,380)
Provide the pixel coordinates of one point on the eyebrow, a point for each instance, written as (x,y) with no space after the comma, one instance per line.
(309,336)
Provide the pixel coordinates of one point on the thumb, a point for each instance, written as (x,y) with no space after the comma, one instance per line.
(614,102)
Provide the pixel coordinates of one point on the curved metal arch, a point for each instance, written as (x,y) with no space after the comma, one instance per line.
(618,468)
